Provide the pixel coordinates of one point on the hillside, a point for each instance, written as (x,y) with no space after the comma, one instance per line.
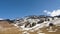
(31,25)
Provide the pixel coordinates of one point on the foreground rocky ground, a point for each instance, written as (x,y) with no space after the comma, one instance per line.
(6,28)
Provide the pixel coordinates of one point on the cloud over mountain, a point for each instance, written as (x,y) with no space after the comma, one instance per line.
(53,13)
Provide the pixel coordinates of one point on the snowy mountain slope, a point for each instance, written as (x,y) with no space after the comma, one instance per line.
(33,25)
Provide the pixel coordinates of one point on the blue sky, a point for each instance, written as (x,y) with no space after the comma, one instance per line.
(21,8)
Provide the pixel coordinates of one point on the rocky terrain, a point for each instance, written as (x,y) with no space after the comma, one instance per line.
(31,25)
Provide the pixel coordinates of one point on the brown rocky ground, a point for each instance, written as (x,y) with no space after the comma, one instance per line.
(6,28)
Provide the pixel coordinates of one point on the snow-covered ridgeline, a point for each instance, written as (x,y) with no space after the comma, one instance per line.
(54,20)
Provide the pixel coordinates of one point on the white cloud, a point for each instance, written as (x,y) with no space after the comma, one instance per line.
(53,13)
(47,12)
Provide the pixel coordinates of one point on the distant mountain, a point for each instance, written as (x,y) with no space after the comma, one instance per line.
(57,16)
